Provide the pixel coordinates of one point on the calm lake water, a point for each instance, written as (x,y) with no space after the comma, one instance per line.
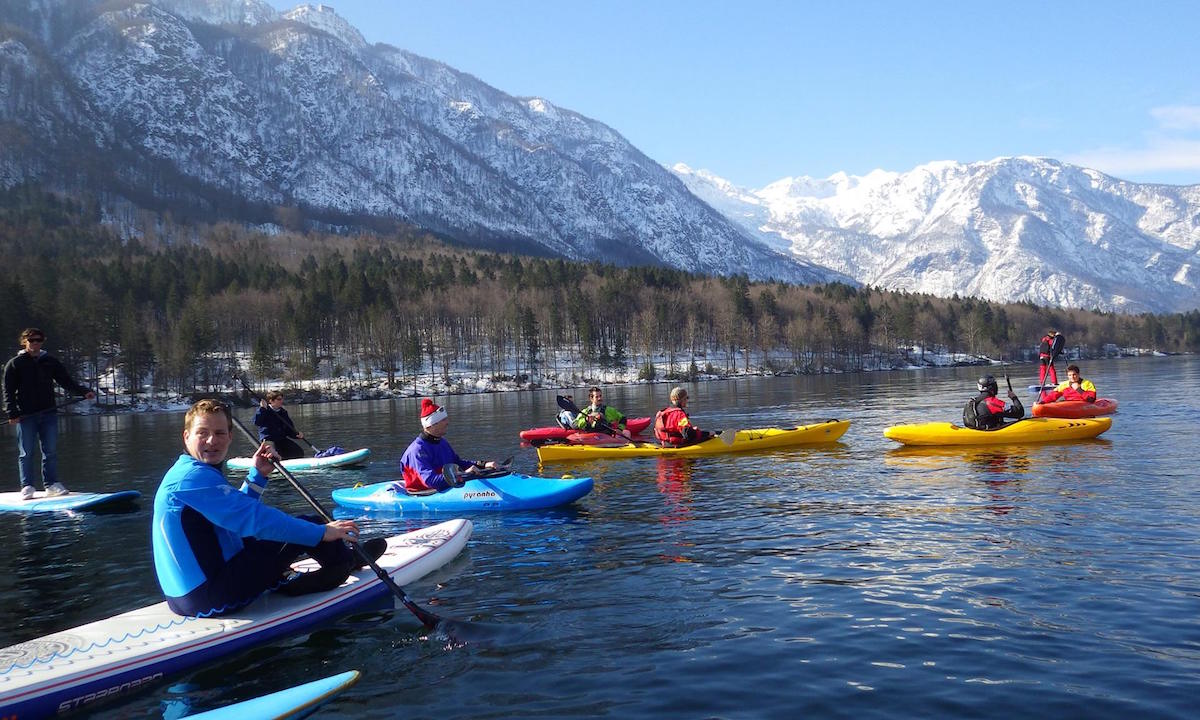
(852,580)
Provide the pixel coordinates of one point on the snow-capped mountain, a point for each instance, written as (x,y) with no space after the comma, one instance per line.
(228,108)
(1011,229)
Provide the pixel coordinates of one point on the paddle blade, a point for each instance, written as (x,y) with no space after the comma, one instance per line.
(428,619)
(728,436)
(450,471)
(567,404)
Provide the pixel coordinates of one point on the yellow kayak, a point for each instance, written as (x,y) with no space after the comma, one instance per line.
(1029,430)
(743,441)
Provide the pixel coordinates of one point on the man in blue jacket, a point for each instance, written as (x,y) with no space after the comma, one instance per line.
(217,548)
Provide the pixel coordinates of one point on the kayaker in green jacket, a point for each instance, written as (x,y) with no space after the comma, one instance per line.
(600,417)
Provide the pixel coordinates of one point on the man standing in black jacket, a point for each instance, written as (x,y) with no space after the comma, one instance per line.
(29,402)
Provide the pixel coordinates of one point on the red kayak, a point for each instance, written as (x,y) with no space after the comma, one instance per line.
(634,425)
(601,439)
(1075,408)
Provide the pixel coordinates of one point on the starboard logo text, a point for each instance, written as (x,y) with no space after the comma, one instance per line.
(76,703)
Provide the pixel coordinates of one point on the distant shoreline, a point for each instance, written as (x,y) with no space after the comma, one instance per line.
(330,390)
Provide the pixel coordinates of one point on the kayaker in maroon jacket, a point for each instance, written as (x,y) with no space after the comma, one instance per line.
(985,411)
(673,427)
(1075,388)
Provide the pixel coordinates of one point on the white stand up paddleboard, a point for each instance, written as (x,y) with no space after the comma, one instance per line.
(79,667)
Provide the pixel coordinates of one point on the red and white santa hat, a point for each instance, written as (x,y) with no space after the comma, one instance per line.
(431,413)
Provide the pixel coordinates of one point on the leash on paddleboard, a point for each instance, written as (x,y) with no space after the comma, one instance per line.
(428,619)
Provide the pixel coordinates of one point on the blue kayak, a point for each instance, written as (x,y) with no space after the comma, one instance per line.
(291,703)
(514,491)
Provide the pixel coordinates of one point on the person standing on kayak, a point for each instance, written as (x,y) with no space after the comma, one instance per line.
(275,427)
(29,379)
(1075,388)
(422,465)
(217,548)
(985,411)
(673,427)
(596,415)
(1048,350)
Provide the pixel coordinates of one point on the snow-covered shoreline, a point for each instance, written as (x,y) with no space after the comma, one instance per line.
(372,385)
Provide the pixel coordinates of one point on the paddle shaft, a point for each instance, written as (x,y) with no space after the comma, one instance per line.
(1012,395)
(52,408)
(242,379)
(427,618)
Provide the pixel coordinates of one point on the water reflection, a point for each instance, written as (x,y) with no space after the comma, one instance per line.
(996,459)
(1001,459)
(675,484)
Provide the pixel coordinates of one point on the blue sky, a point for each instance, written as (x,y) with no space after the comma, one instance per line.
(758,90)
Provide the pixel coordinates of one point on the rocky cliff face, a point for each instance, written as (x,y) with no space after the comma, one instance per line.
(229,108)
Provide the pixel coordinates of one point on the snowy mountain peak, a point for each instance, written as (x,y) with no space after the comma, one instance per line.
(1017,228)
(325,18)
(226,109)
(221,12)
(681,169)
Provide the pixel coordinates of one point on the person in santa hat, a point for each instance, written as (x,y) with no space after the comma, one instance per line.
(429,453)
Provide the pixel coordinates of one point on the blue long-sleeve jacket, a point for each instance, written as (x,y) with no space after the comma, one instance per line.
(422,463)
(200,520)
